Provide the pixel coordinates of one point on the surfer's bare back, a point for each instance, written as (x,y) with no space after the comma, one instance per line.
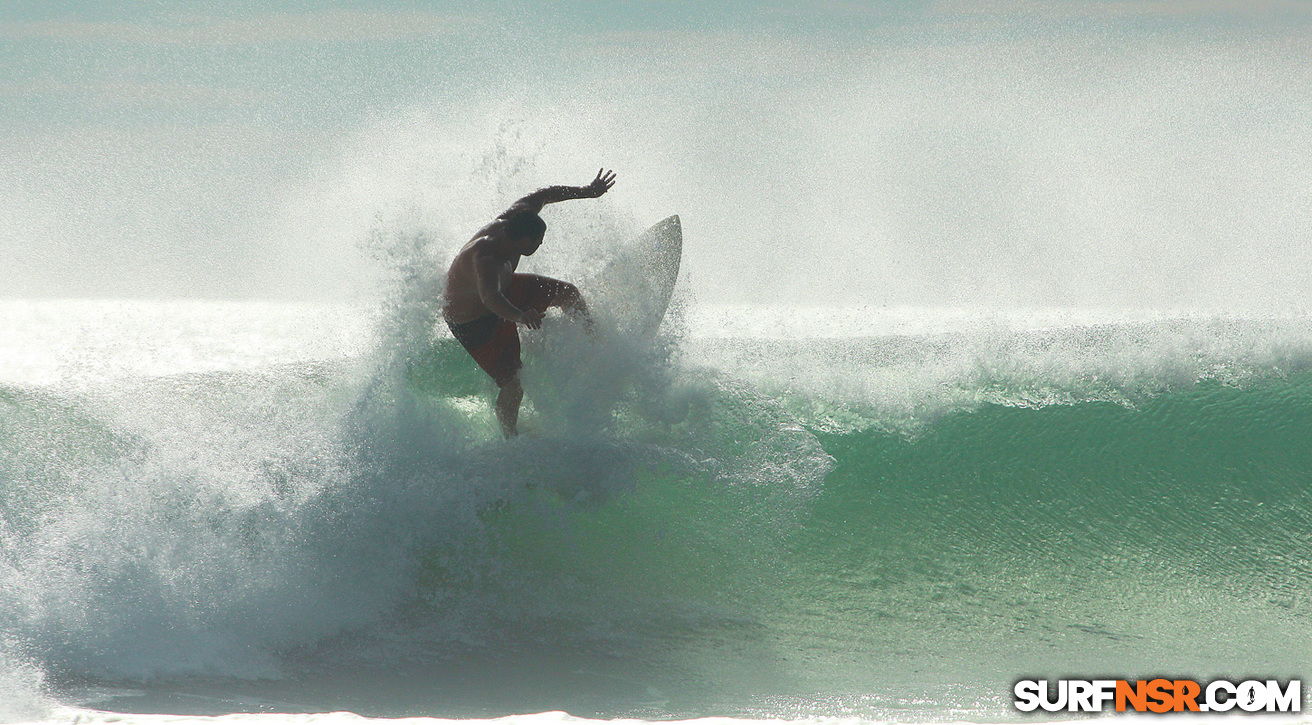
(486,298)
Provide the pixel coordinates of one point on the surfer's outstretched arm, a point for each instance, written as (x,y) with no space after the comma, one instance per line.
(552,194)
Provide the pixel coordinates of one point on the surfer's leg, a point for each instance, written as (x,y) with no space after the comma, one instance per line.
(534,291)
(494,345)
(569,299)
(505,371)
(496,349)
(508,400)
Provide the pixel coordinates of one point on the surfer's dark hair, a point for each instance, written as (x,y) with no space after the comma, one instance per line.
(525,224)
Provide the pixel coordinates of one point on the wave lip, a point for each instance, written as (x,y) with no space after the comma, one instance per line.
(739,516)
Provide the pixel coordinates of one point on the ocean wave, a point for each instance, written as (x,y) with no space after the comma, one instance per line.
(718,518)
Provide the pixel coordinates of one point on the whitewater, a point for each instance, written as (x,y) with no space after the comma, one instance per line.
(890,515)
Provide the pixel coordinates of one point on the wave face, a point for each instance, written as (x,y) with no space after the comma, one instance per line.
(896,527)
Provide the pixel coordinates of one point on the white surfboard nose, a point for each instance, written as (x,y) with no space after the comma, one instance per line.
(635,288)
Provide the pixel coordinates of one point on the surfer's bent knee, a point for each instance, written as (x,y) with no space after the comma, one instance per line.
(510,382)
(569,296)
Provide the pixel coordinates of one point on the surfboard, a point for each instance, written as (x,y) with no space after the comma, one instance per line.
(634,289)
(575,380)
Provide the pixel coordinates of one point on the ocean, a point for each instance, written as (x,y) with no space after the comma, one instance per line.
(989,359)
(272,511)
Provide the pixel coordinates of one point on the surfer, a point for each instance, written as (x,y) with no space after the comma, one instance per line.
(486,298)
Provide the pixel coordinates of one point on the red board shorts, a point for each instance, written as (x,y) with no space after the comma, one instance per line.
(493,341)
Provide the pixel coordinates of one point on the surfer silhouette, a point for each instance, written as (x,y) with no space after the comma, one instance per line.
(485,298)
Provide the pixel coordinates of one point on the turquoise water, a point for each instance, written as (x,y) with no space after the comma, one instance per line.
(819,500)
(704,526)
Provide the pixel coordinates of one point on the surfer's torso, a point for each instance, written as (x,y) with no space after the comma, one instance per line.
(463,301)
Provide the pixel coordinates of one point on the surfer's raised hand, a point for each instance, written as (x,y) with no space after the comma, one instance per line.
(532,319)
(534,202)
(600,185)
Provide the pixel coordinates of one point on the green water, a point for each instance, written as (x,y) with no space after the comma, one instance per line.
(1168,537)
(693,545)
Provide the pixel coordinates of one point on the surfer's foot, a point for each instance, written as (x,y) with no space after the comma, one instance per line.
(571,301)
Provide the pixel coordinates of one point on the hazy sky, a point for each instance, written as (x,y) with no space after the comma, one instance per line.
(996,153)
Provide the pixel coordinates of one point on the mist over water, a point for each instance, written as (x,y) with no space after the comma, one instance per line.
(986,161)
(1001,172)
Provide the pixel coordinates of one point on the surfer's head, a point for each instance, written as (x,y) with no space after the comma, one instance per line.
(525,230)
